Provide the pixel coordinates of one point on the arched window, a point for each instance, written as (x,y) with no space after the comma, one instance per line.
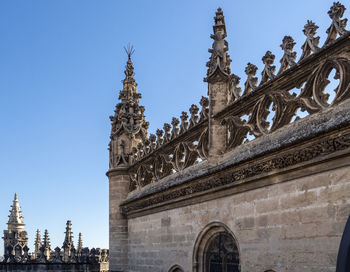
(216,250)
(221,254)
(176,268)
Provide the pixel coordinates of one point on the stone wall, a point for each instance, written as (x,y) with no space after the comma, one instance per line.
(291,226)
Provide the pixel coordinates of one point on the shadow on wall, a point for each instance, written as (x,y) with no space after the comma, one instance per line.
(343,261)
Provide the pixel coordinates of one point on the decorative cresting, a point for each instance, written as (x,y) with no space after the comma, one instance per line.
(272,104)
(128,121)
(173,148)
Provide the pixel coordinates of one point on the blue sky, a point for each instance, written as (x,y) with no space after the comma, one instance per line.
(61,66)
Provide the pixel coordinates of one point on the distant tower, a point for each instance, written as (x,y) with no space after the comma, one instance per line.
(37,245)
(129,128)
(80,243)
(68,242)
(15,237)
(46,246)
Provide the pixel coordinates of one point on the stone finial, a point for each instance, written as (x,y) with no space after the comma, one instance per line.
(289,56)
(153,144)
(57,258)
(184,123)
(146,146)
(269,70)
(235,90)
(167,133)
(311,43)
(252,80)
(175,131)
(194,115)
(204,114)
(219,62)
(159,134)
(15,222)
(338,25)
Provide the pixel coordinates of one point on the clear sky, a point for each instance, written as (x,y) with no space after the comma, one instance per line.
(61,66)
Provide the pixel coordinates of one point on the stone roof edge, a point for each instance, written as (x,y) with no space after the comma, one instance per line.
(298,131)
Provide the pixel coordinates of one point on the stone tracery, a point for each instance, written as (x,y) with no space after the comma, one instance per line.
(186,141)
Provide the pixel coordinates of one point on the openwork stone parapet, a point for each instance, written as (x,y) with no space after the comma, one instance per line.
(295,90)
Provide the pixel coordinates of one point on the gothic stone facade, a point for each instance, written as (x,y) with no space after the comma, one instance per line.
(241,183)
(18,258)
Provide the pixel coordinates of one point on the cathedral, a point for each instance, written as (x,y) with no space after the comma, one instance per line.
(256,178)
(68,258)
(253,178)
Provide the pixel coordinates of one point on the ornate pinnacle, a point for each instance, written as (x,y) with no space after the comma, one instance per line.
(37,244)
(128,118)
(219,62)
(80,243)
(15,218)
(68,240)
(46,240)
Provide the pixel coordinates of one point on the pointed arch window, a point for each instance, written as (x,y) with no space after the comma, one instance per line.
(221,254)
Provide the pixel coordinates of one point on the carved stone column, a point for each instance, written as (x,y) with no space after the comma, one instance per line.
(219,82)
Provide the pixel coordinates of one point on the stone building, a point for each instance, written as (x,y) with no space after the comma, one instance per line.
(68,258)
(245,182)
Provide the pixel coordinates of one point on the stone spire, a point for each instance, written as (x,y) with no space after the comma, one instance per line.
(68,240)
(15,238)
(15,218)
(219,62)
(80,243)
(46,246)
(37,244)
(129,126)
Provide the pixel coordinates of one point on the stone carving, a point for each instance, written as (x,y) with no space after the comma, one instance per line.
(312,99)
(163,162)
(219,62)
(17,251)
(338,25)
(311,43)
(271,107)
(269,70)
(184,123)
(153,144)
(159,137)
(205,108)
(235,90)
(175,131)
(289,56)
(167,133)
(128,118)
(293,157)
(252,80)
(194,115)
